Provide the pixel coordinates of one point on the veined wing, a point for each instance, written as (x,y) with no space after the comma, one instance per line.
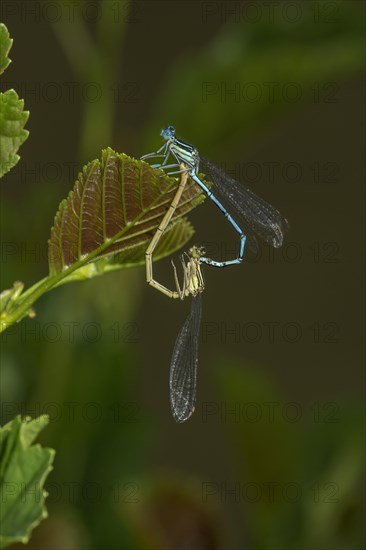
(183,366)
(256,216)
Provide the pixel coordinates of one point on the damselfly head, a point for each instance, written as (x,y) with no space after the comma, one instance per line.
(168,133)
(196,252)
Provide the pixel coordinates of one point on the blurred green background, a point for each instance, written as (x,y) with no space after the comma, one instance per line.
(273,457)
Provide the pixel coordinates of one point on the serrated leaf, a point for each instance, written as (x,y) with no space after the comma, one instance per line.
(172,240)
(23,470)
(12,132)
(112,214)
(5,44)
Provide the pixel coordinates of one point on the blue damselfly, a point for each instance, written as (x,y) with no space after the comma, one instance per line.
(256,217)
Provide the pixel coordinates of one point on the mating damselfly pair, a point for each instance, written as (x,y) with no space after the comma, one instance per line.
(249,215)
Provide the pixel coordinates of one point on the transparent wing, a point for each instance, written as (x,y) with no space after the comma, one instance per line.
(183,367)
(256,216)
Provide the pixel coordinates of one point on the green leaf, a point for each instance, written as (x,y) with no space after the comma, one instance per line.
(5,44)
(172,240)
(106,223)
(12,132)
(23,470)
(12,114)
(112,214)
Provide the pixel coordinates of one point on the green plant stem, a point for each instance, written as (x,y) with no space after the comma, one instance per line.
(22,307)
(25,301)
